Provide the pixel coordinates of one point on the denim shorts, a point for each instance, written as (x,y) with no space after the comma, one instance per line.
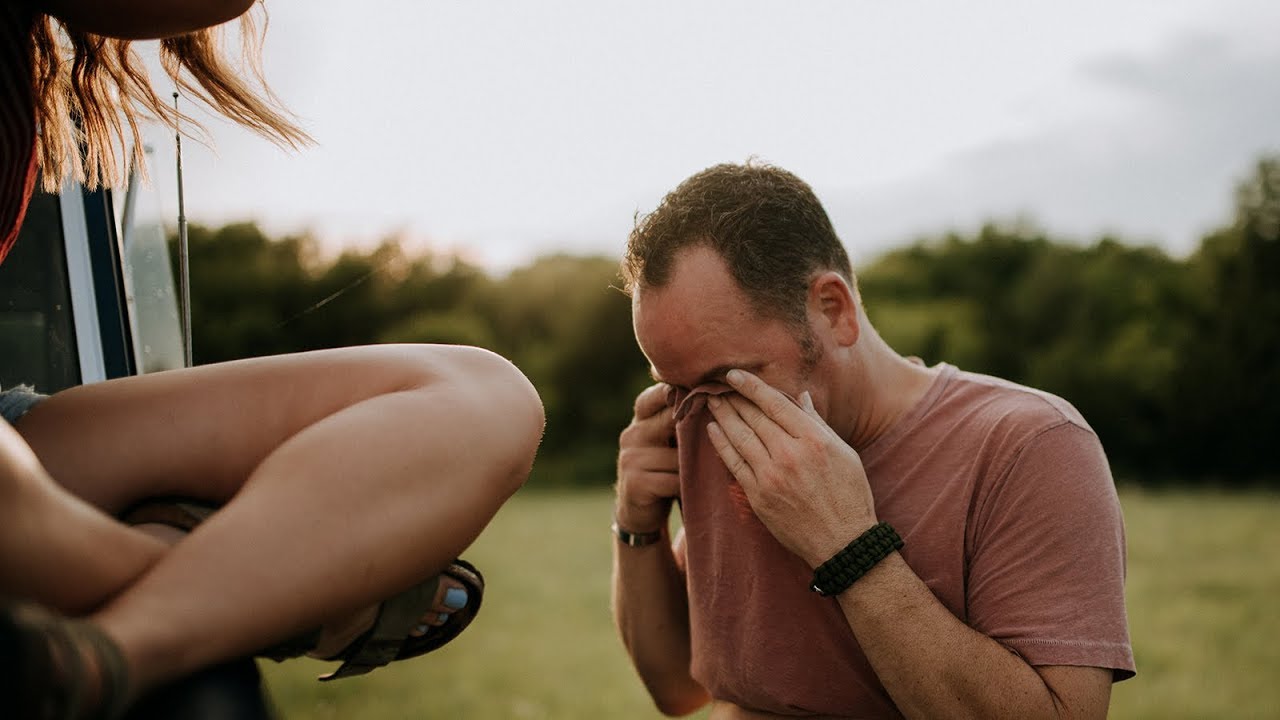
(16,401)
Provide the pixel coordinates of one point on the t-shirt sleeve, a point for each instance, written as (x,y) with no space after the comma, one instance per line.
(1047,562)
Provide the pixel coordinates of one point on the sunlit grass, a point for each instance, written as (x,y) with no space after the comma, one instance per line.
(543,645)
(1204,608)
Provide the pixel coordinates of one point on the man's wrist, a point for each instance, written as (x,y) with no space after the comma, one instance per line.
(641,520)
(637,526)
(856,559)
(635,539)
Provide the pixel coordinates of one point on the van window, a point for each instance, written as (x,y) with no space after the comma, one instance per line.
(37,333)
(149,281)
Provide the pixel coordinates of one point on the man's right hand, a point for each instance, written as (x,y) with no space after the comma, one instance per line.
(650,603)
(648,464)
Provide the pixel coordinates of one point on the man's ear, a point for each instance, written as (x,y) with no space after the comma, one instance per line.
(833,300)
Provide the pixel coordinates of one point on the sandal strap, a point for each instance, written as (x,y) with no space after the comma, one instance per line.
(408,646)
(383,641)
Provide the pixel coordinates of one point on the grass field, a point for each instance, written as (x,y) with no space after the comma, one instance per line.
(1203,593)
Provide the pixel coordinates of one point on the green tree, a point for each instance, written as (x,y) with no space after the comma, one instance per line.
(563,321)
(243,285)
(1099,325)
(1175,363)
(1228,387)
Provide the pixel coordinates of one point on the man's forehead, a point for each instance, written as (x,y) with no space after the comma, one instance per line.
(698,267)
(686,353)
(698,291)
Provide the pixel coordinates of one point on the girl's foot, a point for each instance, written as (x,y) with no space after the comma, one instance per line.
(170,520)
(339,633)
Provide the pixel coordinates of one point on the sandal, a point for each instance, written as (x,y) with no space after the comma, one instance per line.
(388,639)
(43,671)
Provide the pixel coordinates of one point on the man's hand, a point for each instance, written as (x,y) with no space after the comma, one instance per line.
(648,464)
(650,602)
(804,482)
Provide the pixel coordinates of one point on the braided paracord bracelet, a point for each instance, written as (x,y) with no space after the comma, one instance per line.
(855,560)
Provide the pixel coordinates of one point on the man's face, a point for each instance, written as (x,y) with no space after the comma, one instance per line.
(700,325)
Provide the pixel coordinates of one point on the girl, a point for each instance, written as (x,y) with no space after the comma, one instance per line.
(347,481)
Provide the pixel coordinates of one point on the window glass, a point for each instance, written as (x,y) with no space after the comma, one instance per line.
(37,338)
(149,281)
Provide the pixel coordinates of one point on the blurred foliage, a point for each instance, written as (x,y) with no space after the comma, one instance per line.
(1175,362)
(560,319)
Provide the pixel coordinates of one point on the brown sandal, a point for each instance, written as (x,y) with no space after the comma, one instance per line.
(43,670)
(387,640)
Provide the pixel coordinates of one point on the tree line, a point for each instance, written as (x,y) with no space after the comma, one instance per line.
(1174,361)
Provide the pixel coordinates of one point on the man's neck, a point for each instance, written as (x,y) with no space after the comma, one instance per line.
(883,386)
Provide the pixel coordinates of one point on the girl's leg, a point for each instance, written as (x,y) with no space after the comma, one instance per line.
(347,475)
(57,548)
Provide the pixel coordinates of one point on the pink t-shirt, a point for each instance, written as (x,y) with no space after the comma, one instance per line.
(1006,504)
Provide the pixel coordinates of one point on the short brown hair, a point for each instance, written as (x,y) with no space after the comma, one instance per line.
(765,222)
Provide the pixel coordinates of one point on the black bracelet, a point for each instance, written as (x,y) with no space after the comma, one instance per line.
(634,539)
(855,560)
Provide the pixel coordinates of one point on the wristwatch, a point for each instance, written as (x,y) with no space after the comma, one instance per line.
(634,539)
(855,560)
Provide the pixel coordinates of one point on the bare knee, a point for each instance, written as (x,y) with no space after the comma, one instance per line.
(496,402)
(516,409)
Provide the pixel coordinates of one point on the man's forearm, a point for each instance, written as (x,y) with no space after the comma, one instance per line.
(933,665)
(651,609)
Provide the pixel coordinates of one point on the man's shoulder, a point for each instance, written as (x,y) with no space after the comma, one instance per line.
(992,404)
(1023,440)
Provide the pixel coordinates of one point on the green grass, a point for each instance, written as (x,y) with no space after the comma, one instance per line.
(543,645)
(1204,611)
(1204,605)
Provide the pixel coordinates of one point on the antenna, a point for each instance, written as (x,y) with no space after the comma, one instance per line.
(184,257)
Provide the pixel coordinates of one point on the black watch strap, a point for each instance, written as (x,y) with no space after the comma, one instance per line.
(635,539)
(845,567)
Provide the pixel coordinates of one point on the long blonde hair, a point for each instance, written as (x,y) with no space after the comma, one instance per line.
(92,93)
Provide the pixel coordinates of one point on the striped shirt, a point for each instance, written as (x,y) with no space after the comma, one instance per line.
(17,118)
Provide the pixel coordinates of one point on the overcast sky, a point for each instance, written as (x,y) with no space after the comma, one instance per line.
(508,130)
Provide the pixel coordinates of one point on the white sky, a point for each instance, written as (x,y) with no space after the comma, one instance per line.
(509,130)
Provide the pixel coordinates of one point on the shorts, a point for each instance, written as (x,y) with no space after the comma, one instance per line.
(16,401)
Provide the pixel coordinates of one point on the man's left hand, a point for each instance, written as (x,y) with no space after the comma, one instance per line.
(804,482)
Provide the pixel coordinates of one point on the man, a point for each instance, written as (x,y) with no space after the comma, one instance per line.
(963,531)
